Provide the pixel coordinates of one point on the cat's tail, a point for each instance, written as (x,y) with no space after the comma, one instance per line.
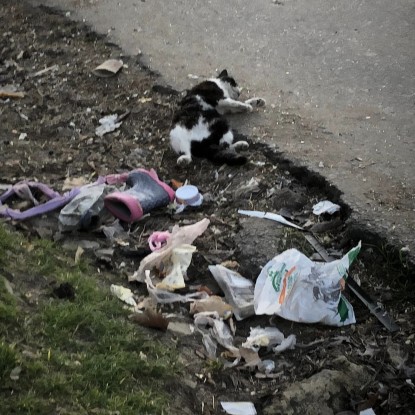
(227,156)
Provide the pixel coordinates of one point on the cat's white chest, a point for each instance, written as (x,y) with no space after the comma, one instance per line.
(181,137)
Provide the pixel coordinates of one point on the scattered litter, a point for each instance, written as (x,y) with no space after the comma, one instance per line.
(246,189)
(268,215)
(52,68)
(115,232)
(189,195)
(22,136)
(124,294)
(210,345)
(10,92)
(263,337)
(108,68)
(368,411)
(287,344)
(238,290)
(179,236)
(250,356)
(150,318)
(239,408)
(181,328)
(298,289)
(266,366)
(212,303)
(218,331)
(325,206)
(158,239)
(180,261)
(166,297)
(108,124)
(86,209)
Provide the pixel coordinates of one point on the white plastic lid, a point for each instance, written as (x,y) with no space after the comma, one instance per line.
(188,195)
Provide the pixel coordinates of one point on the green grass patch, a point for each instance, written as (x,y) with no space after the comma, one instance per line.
(76,357)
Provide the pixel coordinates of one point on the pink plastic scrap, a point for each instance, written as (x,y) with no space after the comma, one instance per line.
(158,239)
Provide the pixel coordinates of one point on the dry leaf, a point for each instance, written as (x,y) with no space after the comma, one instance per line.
(151,319)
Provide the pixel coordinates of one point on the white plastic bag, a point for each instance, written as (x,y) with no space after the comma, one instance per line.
(214,330)
(162,257)
(239,291)
(166,297)
(298,289)
(239,408)
(124,294)
(263,337)
(180,261)
(325,206)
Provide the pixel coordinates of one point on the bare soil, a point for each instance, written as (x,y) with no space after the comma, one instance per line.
(59,113)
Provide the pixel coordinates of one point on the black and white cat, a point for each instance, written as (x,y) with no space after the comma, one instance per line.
(199,128)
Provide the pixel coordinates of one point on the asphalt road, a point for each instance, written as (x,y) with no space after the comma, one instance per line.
(344,68)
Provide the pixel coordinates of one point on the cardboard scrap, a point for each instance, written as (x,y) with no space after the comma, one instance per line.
(108,68)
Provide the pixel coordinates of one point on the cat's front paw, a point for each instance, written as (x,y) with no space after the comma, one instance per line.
(256,102)
(184,160)
(249,107)
(240,145)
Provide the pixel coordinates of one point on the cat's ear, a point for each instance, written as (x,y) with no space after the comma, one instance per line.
(223,74)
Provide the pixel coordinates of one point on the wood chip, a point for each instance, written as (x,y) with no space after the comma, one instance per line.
(11,94)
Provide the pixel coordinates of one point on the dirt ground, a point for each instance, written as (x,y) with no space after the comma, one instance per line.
(49,136)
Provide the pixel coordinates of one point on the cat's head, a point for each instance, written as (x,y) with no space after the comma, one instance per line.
(230,84)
